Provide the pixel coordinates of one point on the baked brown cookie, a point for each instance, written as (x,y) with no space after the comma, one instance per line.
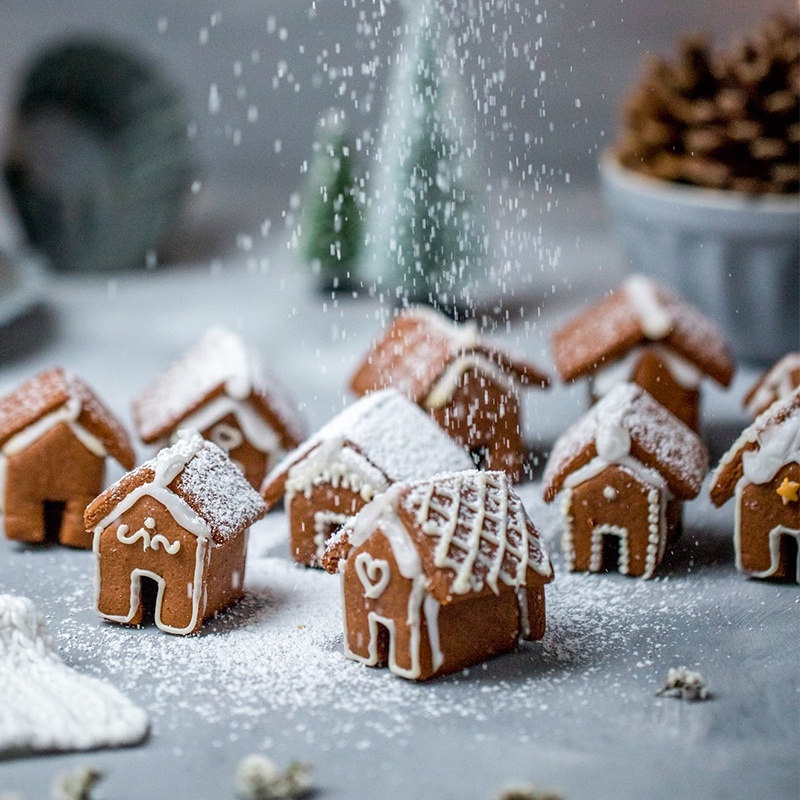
(55,435)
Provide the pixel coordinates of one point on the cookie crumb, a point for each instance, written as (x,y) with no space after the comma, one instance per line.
(684,683)
(76,785)
(258,778)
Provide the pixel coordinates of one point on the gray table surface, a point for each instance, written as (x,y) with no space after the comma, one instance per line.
(575,712)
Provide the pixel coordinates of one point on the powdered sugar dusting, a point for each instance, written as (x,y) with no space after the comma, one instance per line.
(393,433)
(219,492)
(676,450)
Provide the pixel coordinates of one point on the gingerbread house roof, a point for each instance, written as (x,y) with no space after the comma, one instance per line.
(771,441)
(640,311)
(627,423)
(58,389)
(779,381)
(469,533)
(220,363)
(418,346)
(200,475)
(388,433)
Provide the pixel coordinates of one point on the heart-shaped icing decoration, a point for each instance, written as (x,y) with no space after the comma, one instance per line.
(374,574)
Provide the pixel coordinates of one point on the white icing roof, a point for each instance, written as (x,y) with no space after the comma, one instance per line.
(391,432)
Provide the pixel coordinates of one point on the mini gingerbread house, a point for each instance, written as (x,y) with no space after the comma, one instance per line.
(646,334)
(440,574)
(378,440)
(762,470)
(176,526)
(623,469)
(55,436)
(222,390)
(470,387)
(778,382)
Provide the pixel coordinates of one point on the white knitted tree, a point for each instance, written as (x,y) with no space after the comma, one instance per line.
(426,232)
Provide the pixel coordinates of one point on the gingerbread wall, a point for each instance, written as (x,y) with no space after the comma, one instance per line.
(56,467)
(252,461)
(761,510)
(485,418)
(325,499)
(617,498)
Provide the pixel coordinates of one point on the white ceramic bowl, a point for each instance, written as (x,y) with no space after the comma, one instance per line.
(735,256)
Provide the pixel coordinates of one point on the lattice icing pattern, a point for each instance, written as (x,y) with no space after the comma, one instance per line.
(44,704)
(479,529)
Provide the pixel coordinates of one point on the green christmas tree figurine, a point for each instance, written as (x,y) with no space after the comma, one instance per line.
(426,231)
(331,231)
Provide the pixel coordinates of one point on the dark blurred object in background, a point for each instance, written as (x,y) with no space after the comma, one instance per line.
(98,159)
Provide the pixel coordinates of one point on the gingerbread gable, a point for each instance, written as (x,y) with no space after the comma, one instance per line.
(219,365)
(629,427)
(421,344)
(778,382)
(772,441)
(59,396)
(465,532)
(200,486)
(641,311)
(383,435)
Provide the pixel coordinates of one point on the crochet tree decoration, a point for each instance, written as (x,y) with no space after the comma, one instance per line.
(332,230)
(726,121)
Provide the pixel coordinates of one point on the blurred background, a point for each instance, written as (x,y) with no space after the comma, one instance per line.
(256,76)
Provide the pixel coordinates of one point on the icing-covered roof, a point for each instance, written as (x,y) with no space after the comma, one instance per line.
(50,391)
(470,531)
(201,475)
(782,415)
(779,381)
(388,430)
(220,363)
(417,347)
(629,422)
(640,311)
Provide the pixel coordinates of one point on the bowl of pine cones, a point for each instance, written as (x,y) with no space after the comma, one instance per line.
(704,182)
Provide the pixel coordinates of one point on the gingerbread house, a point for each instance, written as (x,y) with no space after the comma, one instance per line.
(169,538)
(440,574)
(470,387)
(55,436)
(646,334)
(762,471)
(623,470)
(221,389)
(778,382)
(378,440)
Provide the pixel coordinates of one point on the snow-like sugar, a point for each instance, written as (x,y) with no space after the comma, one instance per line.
(393,433)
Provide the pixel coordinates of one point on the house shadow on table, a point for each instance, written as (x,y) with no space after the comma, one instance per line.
(255,607)
(698,548)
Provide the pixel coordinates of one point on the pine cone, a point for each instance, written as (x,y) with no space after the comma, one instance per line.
(726,121)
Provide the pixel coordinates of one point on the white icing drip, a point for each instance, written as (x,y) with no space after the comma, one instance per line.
(685,374)
(655,320)
(251,424)
(522,605)
(431,609)
(613,442)
(778,445)
(341,467)
(442,391)
(567,541)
